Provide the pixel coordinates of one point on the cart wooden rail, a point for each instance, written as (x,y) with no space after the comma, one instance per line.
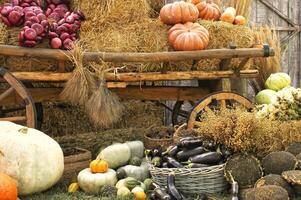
(121,83)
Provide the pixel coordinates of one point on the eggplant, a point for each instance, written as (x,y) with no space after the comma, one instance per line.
(171,151)
(165,165)
(156,161)
(203,197)
(210,158)
(161,194)
(186,154)
(226,153)
(172,163)
(157,151)
(187,138)
(171,188)
(197,165)
(190,144)
(210,145)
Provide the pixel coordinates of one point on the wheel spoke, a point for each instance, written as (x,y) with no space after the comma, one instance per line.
(6,93)
(223,104)
(15,119)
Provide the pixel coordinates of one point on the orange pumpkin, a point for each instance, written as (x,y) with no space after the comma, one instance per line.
(8,188)
(229,15)
(179,12)
(188,37)
(140,196)
(99,166)
(194,1)
(208,10)
(240,20)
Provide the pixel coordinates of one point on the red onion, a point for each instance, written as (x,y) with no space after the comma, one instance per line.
(56,43)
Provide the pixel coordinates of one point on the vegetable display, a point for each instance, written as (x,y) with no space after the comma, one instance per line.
(280,101)
(188,37)
(92,182)
(208,10)
(8,187)
(191,153)
(179,12)
(229,16)
(39,158)
(11,15)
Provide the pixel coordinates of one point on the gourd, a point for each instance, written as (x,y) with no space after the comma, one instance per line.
(131,182)
(137,148)
(33,159)
(208,10)
(108,191)
(92,183)
(123,192)
(148,184)
(73,187)
(188,37)
(8,188)
(229,15)
(137,189)
(240,20)
(140,173)
(135,161)
(120,184)
(99,166)
(116,155)
(140,195)
(179,12)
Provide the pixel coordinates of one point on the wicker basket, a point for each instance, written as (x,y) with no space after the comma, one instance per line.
(150,143)
(194,181)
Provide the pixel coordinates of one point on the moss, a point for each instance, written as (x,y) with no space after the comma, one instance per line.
(267,193)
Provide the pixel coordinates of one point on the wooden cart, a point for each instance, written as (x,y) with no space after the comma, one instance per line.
(120,83)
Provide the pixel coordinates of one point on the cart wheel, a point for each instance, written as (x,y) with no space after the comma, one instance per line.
(180,111)
(30,118)
(215,102)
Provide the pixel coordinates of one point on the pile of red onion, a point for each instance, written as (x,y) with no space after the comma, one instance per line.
(26,3)
(11,15)
(64,33)
(64,24)
(35,27)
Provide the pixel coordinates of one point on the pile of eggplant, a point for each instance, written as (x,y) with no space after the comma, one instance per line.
(189,153)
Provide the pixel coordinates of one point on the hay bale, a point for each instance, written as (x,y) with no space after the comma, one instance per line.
(221,35)
(3,40)
(120,12)
(155,6)
(278,162)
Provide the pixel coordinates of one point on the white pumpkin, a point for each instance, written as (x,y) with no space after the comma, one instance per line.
(116,155)
(31,157)
(92,182)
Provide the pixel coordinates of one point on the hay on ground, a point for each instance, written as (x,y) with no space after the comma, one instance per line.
(243,132)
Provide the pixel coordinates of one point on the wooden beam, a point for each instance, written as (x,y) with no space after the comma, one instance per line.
(7,50)
(131,92)
(14,119)
(137,77)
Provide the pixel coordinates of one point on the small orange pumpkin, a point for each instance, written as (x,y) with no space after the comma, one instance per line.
(8,188)
(178,12)
(188,37)
(99,166)
(140,196)
(229,15)
(240,20)
(208,10)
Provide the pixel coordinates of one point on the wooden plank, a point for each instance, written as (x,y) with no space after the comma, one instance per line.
(131,92)
(136,77)
(98,57)
(15,119)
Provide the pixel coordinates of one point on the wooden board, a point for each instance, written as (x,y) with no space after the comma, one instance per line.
(131,92)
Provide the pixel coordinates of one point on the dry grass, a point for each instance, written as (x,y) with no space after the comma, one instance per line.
(119,12)
(243,132)
(267,66)
(3,40)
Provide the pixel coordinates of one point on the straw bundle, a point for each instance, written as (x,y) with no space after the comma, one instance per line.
(243,132)
(267,66)
(121,12)
(3,40)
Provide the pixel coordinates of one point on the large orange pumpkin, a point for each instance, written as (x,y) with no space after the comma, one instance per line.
(188,37)
(208,10)
(8,188)
(179,12)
